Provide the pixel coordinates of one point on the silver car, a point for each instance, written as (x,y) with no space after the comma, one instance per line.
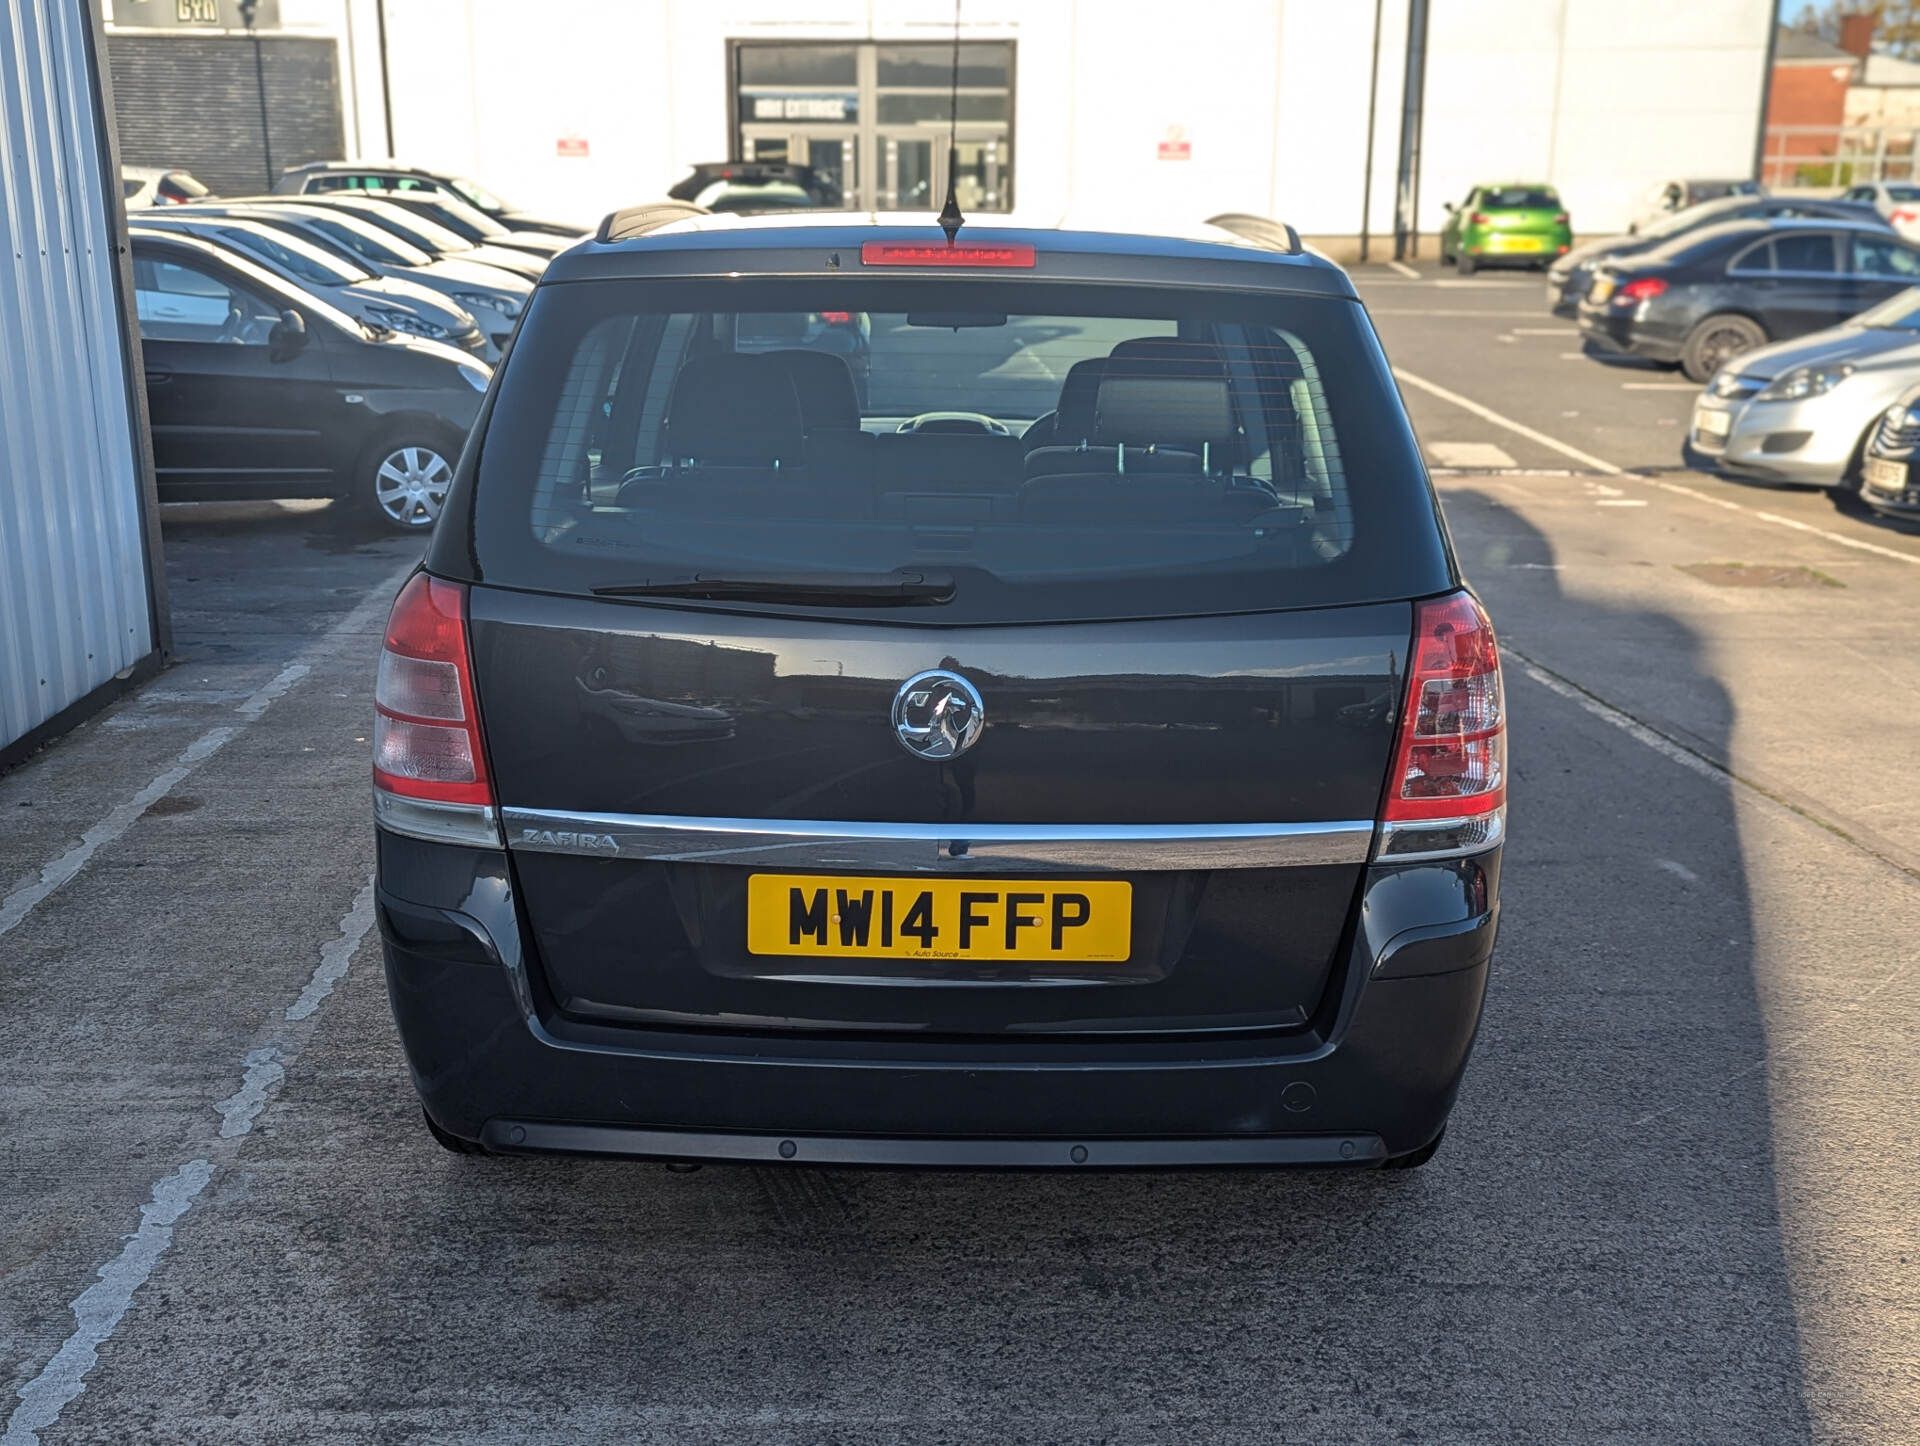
(1801,410)
(494,297)
(404,306)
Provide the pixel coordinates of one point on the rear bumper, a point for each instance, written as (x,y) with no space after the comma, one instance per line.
(1624,331)
(1374,1076)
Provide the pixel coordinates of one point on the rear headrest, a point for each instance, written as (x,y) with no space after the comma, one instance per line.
(1141,411)
(1073,416)
(1166,356)
(824,383)
(734,407)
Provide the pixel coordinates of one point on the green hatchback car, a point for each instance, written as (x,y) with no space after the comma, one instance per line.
(1520,223)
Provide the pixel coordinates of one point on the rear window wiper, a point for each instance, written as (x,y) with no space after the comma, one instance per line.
(824,589)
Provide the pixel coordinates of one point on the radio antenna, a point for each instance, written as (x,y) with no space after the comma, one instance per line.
(950,218)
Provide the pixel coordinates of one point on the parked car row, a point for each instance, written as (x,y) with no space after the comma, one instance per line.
(1799,316)
(329,340)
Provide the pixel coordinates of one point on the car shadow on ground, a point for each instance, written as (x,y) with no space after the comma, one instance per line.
(1594,1253)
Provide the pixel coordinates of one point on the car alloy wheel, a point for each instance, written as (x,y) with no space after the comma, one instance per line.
(410,486)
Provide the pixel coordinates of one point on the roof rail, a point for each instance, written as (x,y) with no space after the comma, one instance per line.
(633,221)
(1261,230)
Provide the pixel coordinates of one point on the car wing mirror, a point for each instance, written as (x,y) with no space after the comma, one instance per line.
(288,337)
(1447,206)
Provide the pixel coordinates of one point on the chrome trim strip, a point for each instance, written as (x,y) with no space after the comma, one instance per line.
(937,847)
(472,824)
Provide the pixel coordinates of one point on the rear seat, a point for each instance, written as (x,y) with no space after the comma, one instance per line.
(1076,448)
(734,437)
(1118,477)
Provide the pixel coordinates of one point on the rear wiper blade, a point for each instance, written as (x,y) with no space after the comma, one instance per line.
(825,589)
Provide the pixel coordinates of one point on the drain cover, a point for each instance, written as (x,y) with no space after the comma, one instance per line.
(1758,574)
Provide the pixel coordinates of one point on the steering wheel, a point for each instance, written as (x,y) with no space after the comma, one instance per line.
(971,423)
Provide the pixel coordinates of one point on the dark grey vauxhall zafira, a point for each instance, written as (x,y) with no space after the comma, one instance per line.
(1081,752)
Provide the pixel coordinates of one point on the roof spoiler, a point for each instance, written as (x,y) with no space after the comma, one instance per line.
(633,221)
(1260,230)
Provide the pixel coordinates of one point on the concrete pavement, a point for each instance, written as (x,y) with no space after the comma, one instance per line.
(1675,1202)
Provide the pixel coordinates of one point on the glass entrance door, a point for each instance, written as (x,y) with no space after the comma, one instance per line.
(833,155)
(907,173)
(873,118)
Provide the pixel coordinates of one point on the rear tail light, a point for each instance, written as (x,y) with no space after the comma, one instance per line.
(1447,792)
(1561,219)
(1644,289)
(1479,218)
(1903,216)
(933,253)
(429,765)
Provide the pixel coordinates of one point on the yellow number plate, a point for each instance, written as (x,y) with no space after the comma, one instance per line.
(1518,243)
(1089,921)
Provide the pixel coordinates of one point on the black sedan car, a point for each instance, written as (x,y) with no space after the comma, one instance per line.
(1890,467)
(1568,277)
(1707,296)
(758,778)
(258,389)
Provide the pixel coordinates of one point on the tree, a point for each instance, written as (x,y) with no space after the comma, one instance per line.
(1896,28)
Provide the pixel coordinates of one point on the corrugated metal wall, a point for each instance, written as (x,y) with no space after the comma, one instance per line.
(75,599)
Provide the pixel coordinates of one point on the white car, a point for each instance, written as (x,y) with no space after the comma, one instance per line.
(1898,201)
(1663,198)
(144,186)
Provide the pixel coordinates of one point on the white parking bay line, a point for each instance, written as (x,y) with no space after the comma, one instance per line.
(1469,454)
(1467,404)
(1546,331)
(1403,269)
(1659,387)
(1600,465)
(122,816)
(99,1309)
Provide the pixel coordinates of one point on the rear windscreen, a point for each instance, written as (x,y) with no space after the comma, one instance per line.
(1518,198)
(1058,451)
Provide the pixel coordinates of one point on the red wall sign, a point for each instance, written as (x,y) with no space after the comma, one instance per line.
(570,146)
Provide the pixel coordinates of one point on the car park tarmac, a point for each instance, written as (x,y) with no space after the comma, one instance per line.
(1675,1202)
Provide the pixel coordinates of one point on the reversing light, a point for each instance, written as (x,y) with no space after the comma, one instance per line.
(1447,792)
(934,253)
(426,731)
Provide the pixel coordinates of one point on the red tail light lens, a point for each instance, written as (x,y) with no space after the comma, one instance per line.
(1561,219)
(426,731)
(1480,218)
(1450,761)
(933,253)
(1642,290)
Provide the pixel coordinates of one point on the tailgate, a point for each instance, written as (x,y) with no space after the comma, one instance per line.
(670,776)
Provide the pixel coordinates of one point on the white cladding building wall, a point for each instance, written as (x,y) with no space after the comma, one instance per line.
(1602,97)
(74,595)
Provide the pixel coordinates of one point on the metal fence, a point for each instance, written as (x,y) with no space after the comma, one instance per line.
(1839,155)
(78,604)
